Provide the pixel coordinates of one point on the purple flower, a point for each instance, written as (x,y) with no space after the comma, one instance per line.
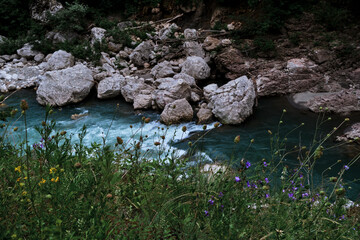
(248,184)
(248,164)
(237,179)
(206,213)
(346,167)
(267,195)
(211,202)
(221,194)
(265,164)
(342,217)
(266,180)
(304,195)
(301,176)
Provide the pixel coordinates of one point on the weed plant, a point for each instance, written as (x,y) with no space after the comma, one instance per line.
(61,189)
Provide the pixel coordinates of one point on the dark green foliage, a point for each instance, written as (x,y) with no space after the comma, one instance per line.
(263,44)
(14,17)
(334,18)
(70,19)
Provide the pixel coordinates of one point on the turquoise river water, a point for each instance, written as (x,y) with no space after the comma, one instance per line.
(112,118)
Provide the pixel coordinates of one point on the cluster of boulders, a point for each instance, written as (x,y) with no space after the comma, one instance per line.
(154,75)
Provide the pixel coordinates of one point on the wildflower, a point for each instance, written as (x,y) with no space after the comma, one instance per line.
(248,164)
(346,167)
(18,169)
(24,193)
(266,180)
(237,179)
(237,139)
(270,132)
(18,180)
(56,179)
(301,176)
(221,194)
(43,181)
(52,170)
(217,124)
(267,195)
(265,164)
(211,202)
(24,105)
(157,143)
(119,140)
(22,184)
(304,195)
(342,217)
(291,195)
(206,213)
(184,128)
(147,120)
(248,184)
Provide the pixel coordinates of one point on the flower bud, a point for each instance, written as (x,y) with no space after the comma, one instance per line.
(62,133)
(109,195)
(184,128)
(119,140)
(147,120)
(237,139)
(217,124)
(157,143)
(15,129)
(24,105)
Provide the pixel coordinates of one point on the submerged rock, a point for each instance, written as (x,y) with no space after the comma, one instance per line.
(233,102)
(176,112)
(62,87)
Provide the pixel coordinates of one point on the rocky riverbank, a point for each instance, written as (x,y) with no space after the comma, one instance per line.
(203,76)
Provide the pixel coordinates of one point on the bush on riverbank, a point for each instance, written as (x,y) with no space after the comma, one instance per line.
(57,189)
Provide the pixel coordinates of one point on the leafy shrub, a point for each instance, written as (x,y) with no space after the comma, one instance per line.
(14,18)
(70,19)
(264,45)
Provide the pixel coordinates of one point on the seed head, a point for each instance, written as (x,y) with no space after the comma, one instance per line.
(15,129)
(62,133)
(77,165)
(119,140)
(184,129)
(147,120)
(237,139)
(109,195)
(217,124)
(24,105)
(204,127)
(157,143)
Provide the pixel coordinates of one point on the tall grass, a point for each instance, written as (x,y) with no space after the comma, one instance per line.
(61,189)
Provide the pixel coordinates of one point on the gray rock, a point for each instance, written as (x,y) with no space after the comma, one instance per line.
(162,70)
(39,58)
(61,37)
(351,133)
(209,90)
(110,87)
(40,9)
(204,115)
(190,34)
(27,52)
(187,78)
(62,87)
(196,67)
(233,102)
(168,90)
(343,102)
(142,101)
(123,25)
(132,87)
(176,112)
(193,48)
(166,32)
(141,53)
(321,55)
(60,60)
(114,47)
(97,35)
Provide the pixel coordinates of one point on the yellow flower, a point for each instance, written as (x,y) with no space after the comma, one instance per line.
(22,184)
(55,179)
(42,181)
(24,193)
(52,170)
(18,180)
(18,169)
(25,178)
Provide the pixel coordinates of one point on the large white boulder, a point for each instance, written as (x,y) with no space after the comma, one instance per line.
(27,51)
(60,60)
(62,87)
(169,89)
(196,67)
(233,102)
(141,53)
(110,87)
(133,86)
